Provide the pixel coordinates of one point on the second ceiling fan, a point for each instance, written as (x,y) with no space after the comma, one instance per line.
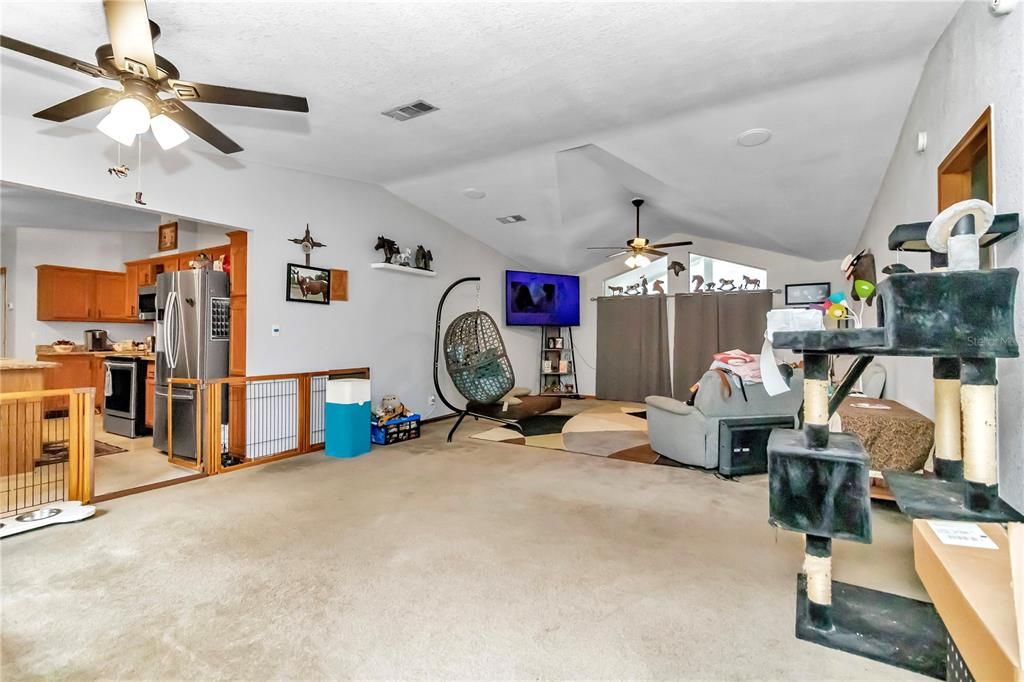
(640,249)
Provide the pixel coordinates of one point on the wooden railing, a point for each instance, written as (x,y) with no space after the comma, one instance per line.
(267,418)
(46,448)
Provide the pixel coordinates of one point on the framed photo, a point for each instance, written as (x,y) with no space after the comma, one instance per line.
(167,237)
(807,293)
(306,284)
(557,342)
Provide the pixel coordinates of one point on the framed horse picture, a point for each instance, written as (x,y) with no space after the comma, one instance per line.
(306,284)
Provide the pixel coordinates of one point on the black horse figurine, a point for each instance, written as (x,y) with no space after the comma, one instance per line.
(423,258)
(389,246)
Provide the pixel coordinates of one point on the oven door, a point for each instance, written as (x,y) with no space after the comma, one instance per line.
(119,388)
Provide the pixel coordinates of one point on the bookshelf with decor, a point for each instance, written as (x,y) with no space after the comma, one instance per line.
(557,363)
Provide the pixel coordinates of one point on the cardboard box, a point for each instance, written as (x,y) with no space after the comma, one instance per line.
(971,590)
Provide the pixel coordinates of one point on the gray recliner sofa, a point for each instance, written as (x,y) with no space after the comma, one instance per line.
(689,434)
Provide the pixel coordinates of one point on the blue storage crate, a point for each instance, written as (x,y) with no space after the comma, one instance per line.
(396,430)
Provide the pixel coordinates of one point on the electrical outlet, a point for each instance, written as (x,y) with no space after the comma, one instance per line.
(431,401)
(275,330)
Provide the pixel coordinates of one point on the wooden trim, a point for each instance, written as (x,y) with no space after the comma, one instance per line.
(431,420)
(305,384)
(954,180)
(145,488)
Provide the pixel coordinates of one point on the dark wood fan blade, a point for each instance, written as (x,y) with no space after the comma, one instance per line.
(667,245)
(77,106)
(199,126)
(654,252)
(218,94)
(50,56)
(131,37)
(620,253)
(604,248)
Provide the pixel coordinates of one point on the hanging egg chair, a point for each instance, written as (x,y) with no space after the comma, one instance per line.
(475,357)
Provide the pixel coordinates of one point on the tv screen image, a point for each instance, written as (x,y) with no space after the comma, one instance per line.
(537,298)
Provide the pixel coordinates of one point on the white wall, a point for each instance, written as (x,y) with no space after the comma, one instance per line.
(388,322)
(782,269)
(978,61)
(26,247)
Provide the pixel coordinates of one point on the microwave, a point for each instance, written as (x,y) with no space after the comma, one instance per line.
(147,303)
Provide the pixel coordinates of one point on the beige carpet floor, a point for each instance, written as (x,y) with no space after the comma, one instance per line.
(476,560)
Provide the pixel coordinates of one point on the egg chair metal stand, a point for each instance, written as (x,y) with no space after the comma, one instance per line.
(475,358)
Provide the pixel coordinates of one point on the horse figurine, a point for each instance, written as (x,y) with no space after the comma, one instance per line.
(697,283)
(313,287)
(389,246)
(423,258)
(658,286)
(643,284)
(633,290)
(710,286)
(676,267)
(723,283)
(616,291)
(751,282)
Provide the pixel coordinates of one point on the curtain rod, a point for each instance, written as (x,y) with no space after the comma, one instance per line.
(693,293)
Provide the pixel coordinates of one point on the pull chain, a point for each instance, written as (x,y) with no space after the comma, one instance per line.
(478,296)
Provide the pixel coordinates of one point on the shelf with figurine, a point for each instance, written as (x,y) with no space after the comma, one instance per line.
(407,261)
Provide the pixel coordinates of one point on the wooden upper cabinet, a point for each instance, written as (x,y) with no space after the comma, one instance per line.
(110,296)
(146,273)
(64,293)
(131,291)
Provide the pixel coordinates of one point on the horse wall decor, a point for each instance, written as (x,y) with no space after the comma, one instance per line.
(388,246)
(308,284)
(750,282)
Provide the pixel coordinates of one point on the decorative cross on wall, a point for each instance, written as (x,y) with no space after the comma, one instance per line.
(307,243)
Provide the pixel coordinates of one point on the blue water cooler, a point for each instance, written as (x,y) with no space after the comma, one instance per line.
(347,422)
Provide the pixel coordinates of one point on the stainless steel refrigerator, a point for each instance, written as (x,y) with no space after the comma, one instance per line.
(192,334)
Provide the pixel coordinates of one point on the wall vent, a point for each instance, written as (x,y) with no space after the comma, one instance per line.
(407,111)
(509,219)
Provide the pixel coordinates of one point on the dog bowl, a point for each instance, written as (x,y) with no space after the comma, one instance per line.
(38,514)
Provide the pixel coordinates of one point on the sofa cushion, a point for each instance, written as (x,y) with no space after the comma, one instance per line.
(529,406)
(668,404)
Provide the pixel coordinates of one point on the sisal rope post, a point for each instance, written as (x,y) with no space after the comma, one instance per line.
(948,454)
(818,570)
(978,399)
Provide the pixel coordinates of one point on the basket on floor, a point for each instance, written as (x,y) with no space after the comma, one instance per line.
(396,430)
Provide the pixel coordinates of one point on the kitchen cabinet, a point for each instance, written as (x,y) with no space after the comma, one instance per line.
(237,260)
(150,392)
(110,296)
(64,293)
(82,295)
(131,291)
(146,272)
(75,370)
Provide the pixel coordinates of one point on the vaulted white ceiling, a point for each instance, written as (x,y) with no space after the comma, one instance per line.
(653,93)
(29,207)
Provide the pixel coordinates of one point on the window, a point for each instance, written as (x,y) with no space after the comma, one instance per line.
(966,172)
(715,270)
(631,281)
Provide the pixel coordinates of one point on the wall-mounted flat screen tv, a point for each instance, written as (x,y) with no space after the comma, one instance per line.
(537,298)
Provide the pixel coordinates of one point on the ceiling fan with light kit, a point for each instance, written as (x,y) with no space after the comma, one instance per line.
(640,249)
(129,58)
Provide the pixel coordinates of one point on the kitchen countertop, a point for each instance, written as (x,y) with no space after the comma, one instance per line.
(13,365)
(48,351)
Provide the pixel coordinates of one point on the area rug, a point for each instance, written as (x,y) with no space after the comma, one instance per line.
(56,453)
(613,429)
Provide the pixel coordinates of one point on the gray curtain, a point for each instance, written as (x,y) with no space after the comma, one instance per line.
(632,348)
(742,320)
(706,324)
(695,340)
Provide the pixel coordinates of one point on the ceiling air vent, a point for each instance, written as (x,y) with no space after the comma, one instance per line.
(407,111)
(509,219)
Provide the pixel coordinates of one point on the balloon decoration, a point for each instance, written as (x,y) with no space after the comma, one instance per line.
(863,288)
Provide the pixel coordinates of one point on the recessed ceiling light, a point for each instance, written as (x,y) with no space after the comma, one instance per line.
(509,219)
(474,193)
(754,137)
